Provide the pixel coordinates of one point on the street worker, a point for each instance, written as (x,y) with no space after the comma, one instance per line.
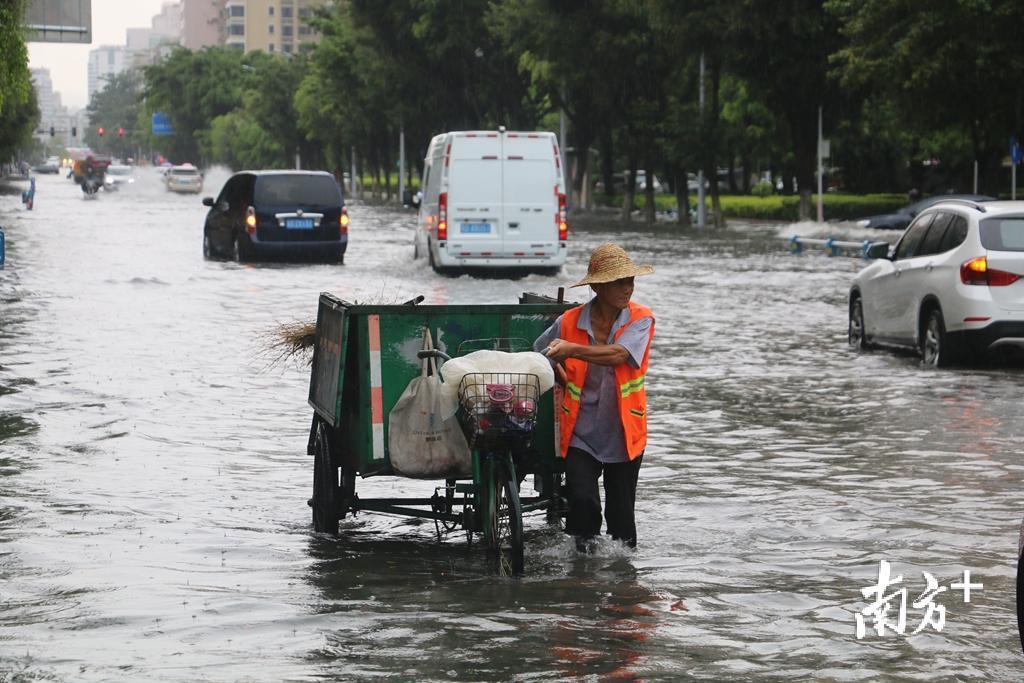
(600,351)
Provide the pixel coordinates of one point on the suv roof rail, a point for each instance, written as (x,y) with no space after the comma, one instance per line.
(966,202)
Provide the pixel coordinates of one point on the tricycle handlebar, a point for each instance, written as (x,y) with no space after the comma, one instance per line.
(433,353)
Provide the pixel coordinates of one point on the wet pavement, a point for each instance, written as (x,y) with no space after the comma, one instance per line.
(153,475)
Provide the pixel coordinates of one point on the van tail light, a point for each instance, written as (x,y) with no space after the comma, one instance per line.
(563,226)
(442,216)
(250,220)
(977,272)
(343,222)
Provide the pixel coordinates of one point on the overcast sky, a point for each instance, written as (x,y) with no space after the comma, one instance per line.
(68,63)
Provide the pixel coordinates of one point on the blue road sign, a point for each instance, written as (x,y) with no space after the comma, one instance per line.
(162,124)
(1015,151)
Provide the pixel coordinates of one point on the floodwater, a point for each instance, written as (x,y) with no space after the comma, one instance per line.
(153,476)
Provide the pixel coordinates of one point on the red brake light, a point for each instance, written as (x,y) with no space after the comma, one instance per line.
(977,272)
(563,226)
(343,221)
(442,216)
(250,220)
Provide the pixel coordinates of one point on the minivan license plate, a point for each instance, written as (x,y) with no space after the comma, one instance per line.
(298,223)
(476,227)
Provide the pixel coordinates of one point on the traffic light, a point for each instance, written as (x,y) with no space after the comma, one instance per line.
(100,131)
(120,132)
(74,131)
(52,131)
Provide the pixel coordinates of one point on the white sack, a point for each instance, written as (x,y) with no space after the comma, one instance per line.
(424,441)
(529,362)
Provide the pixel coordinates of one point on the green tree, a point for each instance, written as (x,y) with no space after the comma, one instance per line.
(19,112)
(193,88)
(115,106)
(951,69)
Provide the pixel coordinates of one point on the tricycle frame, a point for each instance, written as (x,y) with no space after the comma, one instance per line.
(363,357)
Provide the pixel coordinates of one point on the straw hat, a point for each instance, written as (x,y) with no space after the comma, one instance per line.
(609,262)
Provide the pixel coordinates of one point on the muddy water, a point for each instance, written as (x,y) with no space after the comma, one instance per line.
(153,476)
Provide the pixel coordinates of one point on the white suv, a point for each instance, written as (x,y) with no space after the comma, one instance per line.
(953,284)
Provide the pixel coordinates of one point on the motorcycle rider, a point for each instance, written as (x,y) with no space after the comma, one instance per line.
(92,175)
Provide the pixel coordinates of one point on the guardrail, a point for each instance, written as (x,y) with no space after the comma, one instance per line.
(1,249)
(832,246)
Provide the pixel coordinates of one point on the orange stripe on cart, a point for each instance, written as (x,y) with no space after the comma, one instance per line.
(376,388)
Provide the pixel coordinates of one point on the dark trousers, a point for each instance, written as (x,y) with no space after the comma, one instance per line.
(582,471)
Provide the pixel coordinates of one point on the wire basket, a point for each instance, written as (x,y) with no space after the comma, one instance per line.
(498,408)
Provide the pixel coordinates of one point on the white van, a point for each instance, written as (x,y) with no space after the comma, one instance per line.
(493,199)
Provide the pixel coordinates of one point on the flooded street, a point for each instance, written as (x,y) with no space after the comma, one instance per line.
(154,476)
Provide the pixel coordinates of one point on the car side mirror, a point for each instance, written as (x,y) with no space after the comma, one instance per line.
(207,201)
(877,250)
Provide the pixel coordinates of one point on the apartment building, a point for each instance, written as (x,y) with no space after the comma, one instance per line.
(104,62)
(271,25)
(202,23)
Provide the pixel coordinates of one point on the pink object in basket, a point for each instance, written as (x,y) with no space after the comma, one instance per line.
(501,395)
(524,408)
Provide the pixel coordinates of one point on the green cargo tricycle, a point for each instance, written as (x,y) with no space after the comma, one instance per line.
(364,357)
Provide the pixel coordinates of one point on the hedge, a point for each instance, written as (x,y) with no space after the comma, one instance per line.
(782,208)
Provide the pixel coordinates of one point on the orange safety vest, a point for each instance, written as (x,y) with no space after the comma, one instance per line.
(632,395)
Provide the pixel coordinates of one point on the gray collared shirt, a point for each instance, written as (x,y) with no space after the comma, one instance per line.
(598,428)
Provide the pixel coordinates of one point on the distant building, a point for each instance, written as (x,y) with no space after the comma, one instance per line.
(67,127)
(202,23)
(149,45)
(271,25)
(104,62)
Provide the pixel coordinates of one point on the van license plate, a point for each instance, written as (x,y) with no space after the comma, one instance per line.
(476,227)
(298,223)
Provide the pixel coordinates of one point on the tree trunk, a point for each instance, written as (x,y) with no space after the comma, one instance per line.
(682,197)
(630,193)
(650,208)
(716,202)
(608,162)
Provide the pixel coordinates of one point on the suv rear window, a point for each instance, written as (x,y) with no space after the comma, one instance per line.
(296,190)
(1003,234)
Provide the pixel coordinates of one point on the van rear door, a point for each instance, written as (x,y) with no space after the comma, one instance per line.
(529,189)
(474,195)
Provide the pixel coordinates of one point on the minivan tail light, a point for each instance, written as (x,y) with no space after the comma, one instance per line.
(343,222)
(563,226)
(250,220)
(977,272)
(442,216)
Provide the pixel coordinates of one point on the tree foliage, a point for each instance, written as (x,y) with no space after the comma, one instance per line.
(115,106)
(896,82)
(19,111)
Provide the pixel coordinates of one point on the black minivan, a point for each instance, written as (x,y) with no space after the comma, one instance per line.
(277,214)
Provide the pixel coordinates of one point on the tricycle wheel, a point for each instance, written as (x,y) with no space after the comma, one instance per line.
(505,533)
(326,491)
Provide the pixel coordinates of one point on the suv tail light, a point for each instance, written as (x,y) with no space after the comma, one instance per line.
(250,220)
(343,222)
(563,227)
(977,272)
(442,216)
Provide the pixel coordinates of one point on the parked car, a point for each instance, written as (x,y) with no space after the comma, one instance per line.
(184,178)
(493,200)
(290,214)
(902,217)
(953,286)
(51,165)
(117,176)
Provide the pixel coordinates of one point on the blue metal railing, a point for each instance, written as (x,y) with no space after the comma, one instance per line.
(832,246)
(2,248)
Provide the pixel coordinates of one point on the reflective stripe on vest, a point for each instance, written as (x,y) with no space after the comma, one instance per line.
(632,395)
